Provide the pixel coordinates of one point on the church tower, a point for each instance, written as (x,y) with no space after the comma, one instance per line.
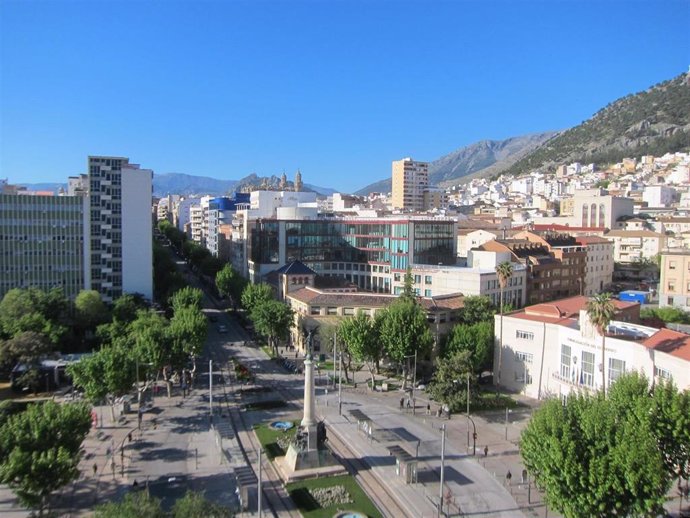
(298,181)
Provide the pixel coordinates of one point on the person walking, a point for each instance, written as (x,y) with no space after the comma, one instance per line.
(402,403)
(428,409)
(486,451)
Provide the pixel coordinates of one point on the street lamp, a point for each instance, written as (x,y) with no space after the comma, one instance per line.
(443,455)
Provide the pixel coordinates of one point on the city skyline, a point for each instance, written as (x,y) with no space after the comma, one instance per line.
(338,91)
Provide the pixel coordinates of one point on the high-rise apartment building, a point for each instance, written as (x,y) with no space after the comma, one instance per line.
(410,181)
(118,246)
(42,242)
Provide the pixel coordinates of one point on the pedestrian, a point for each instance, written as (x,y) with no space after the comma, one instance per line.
(428,409)
(95,469)
(438,412)
(408,403)
(509,475)
(129,437)
(486,451)
(402,402)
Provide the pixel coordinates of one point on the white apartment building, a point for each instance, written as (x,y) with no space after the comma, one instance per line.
(194,228)
(182,213)
(632,245)
(552,349)
(119,249)
(410,180)
(594,209)
(523,185)
(658,195)
(477,278)
(469,239)
(599,267)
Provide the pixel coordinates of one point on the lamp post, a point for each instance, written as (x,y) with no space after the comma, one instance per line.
(335,352)
(414,380)
(443,455)
(340,384)
(507,412)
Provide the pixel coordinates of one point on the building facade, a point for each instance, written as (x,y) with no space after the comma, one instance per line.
(630,246)
(410,181)
(599,263)
(674,285)
(42,243)
(553,350)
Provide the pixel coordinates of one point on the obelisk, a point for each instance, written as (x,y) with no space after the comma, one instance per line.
(309,397)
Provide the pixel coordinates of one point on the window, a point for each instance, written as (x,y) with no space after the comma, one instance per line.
(524,335)
(427,279)
(348,311)
(396,277)
(315,310)
(671,265)
(616,368)
(587,377)
(662,373)
(524,357)
(565,361)
(332,311)
(671,286)
(427,293)
(417,279)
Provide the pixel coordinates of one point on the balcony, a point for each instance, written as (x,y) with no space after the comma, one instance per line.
(567,381)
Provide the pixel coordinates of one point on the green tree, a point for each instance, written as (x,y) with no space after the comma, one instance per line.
(360,334)
(504,272)
(186,297)
(34,310)
(408,286)
(194,505)
(40,450)
(28,349)
(230,283)
(125,307)
(404,331)
(133,505)
(670,420)
(449,383)
(601,311)
(667,314)
(273,319)
(90,309)
(476,308)
(187,332)
(149,333)
(595,458)
(255,294)
(477,339)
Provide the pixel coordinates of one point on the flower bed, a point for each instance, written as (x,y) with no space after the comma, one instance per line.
(328,496)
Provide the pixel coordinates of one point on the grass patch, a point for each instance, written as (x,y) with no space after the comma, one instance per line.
(299,492)
(268,351)
(271,404)
(274,441)
(493,401)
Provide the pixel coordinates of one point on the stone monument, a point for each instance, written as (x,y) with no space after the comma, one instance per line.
(308,456)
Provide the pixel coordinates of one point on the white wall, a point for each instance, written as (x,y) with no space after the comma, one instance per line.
(137,233)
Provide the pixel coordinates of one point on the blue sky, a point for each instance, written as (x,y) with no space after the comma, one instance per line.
(337,89)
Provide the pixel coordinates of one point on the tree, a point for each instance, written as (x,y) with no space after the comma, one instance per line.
(273,319)
(670,420)
(254,294)
(476,308)
(477,339)
(504,272)
(27,349)
(134,505)
(596,457)
(449,383)
(125,307)
(40,450)
(404,330)
(361,336)
(186,297)
(408,286)
(601,311)
(667,314)
(34,310)
(188,331)
(149,332)
(230,283)
(90,309)
(194,505)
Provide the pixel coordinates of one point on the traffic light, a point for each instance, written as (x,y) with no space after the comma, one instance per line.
(474,436)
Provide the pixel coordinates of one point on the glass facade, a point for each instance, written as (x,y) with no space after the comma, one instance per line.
(41,243)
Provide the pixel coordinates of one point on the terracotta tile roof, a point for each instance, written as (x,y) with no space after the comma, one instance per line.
(567,308)
(318,298)
(670,342)
(590,240)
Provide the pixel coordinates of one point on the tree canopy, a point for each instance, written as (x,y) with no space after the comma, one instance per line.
(360,334)
(40,449)
(230,283)
(273,319)
(476,308)
(609,456)
(449,383)
(255,294)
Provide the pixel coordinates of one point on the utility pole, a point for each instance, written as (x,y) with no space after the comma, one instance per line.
(260,490)
(335,352)
(414,384)
(210,388)
(468,410)
(443,458)
(340,384)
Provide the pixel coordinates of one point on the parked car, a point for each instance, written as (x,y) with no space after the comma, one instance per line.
(222,329)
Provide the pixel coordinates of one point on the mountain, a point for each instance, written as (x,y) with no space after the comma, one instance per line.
(653,122)
(484,157)
(186,184)
(53,187)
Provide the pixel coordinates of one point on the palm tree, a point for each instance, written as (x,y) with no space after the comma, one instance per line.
(601,311)
(504,272)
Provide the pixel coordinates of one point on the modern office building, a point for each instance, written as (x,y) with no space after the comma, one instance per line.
(410,181)
(42,243)
(366,252)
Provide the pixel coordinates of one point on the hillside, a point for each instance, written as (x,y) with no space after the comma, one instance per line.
(475,159)
(653,122)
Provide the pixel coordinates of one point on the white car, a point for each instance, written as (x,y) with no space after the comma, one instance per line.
(222,328)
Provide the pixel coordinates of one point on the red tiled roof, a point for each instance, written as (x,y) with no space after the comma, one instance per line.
(670,342)
(586,240)
(567,308)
